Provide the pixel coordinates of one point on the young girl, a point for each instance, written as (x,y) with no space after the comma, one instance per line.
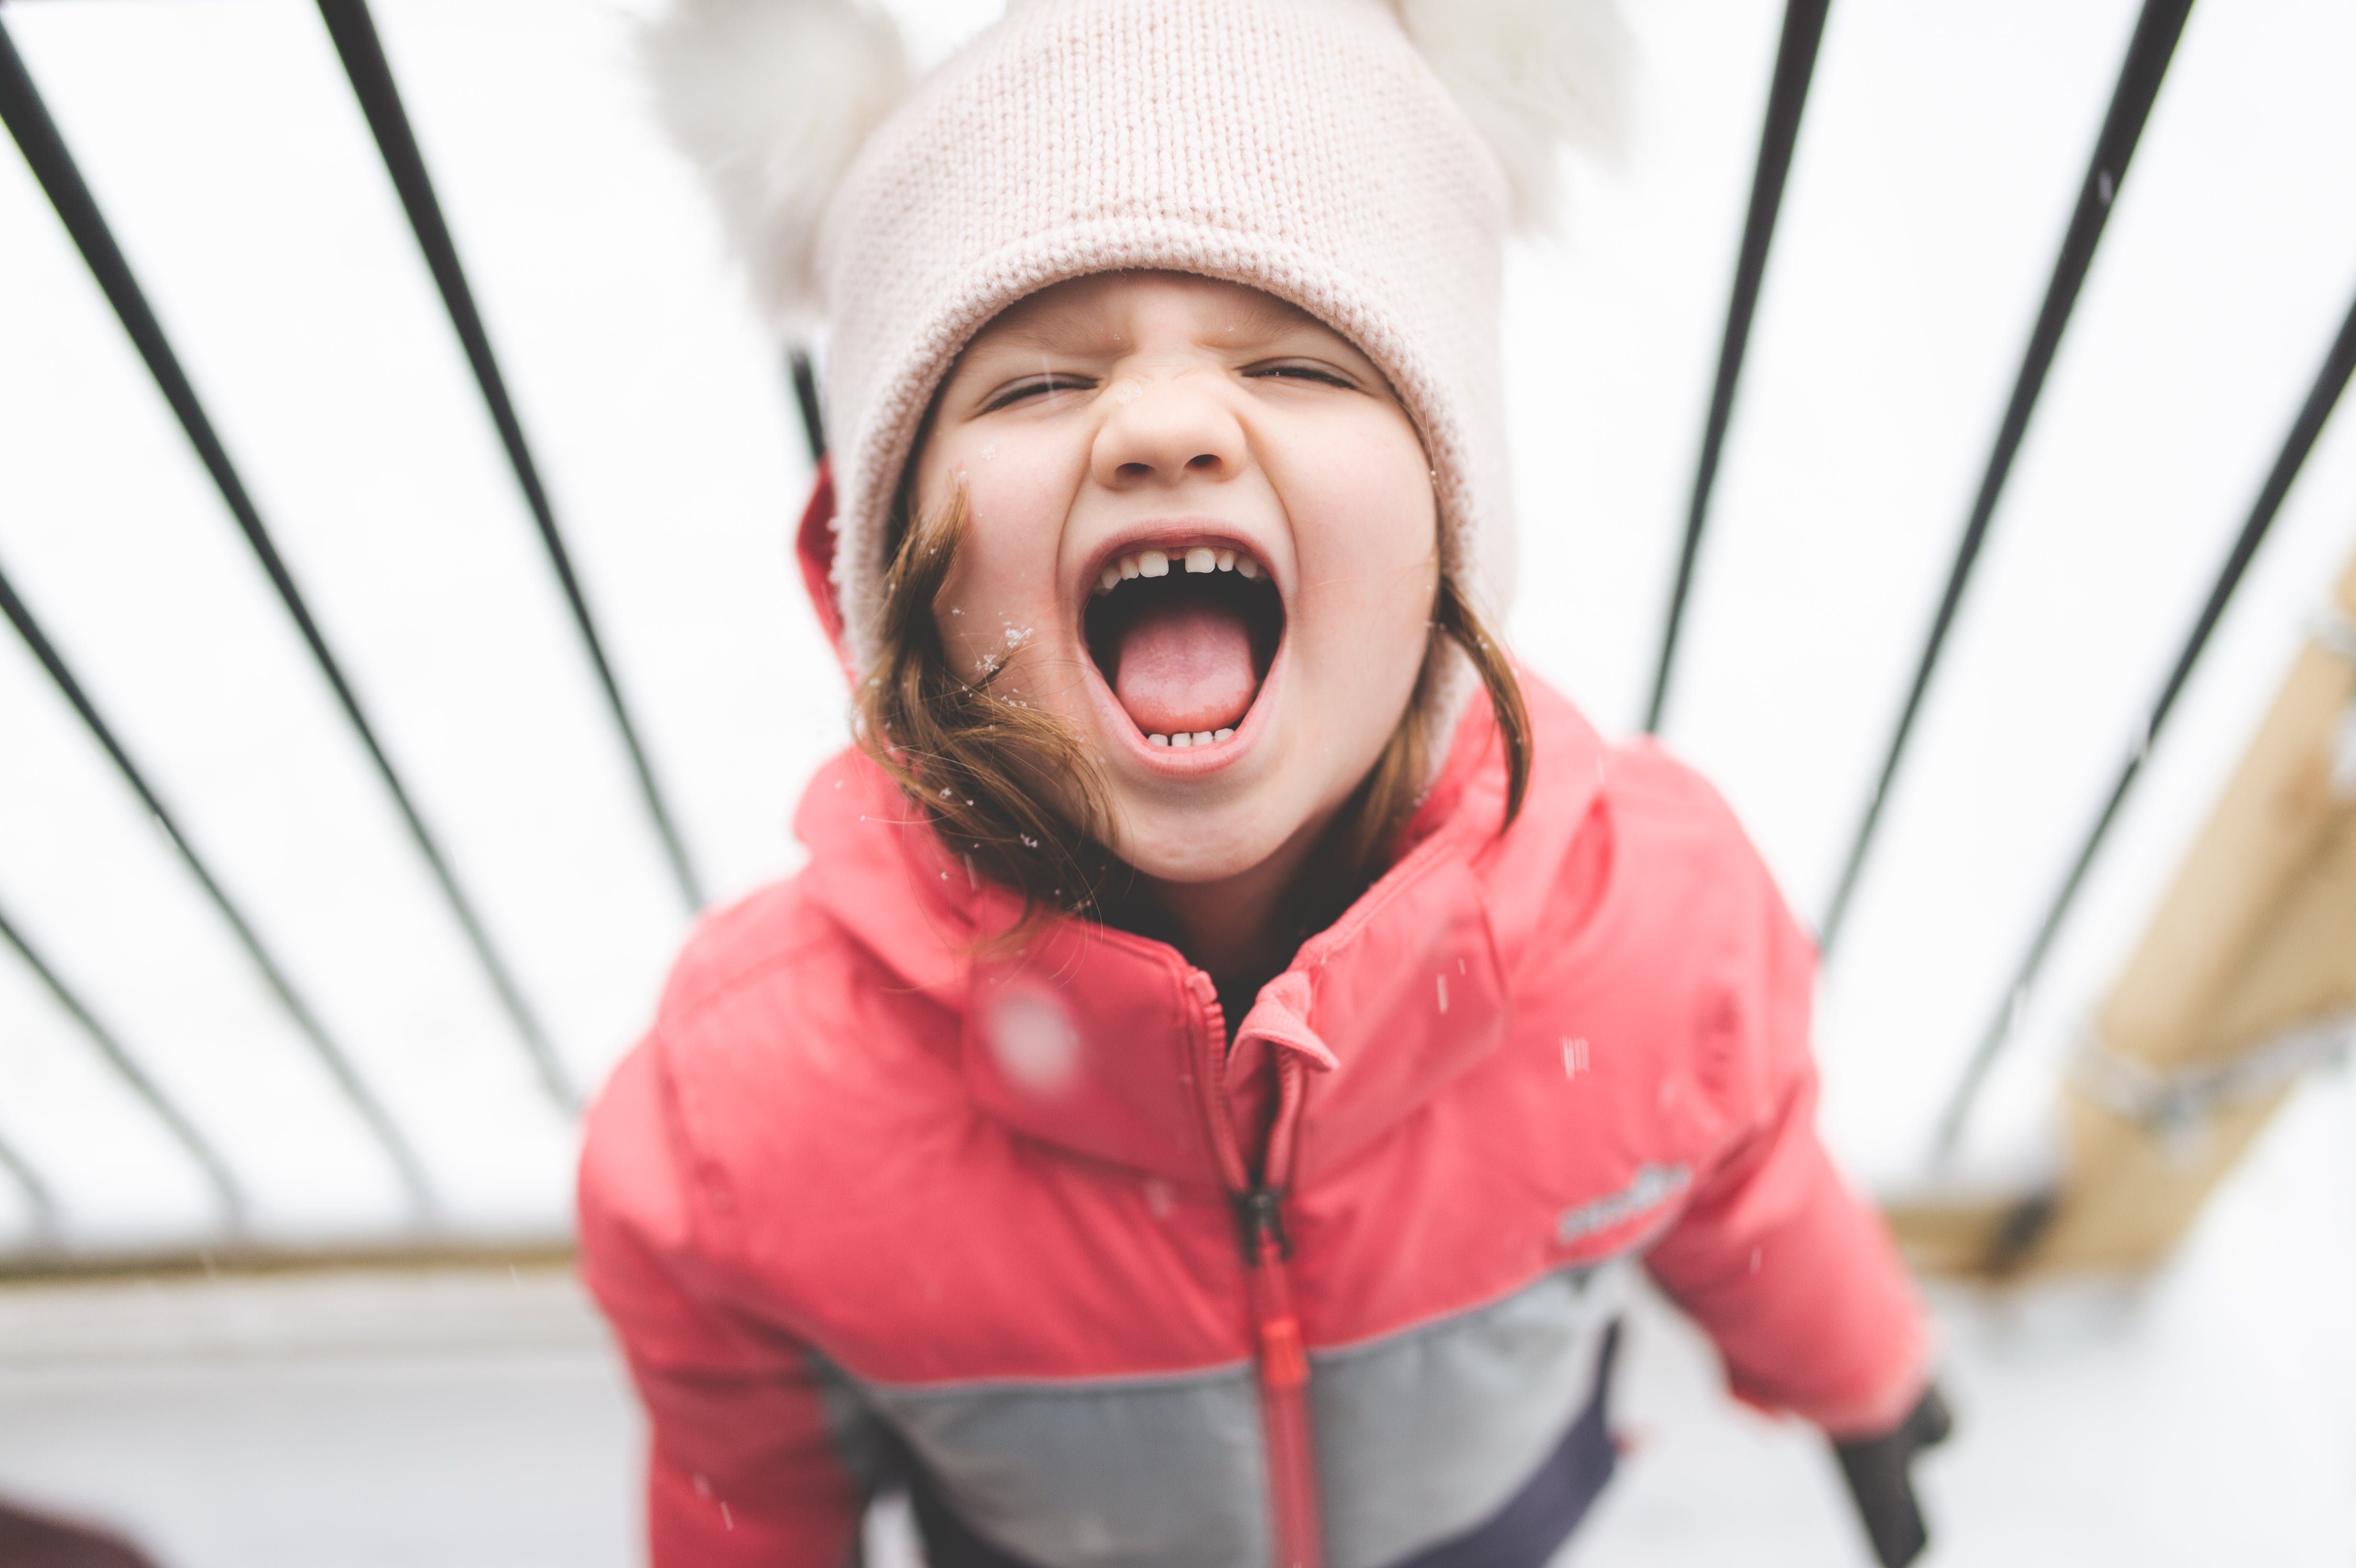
(1235,1034)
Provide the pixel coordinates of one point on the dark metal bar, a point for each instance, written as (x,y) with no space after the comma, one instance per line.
(226,1190)
(804,379)
(396,1148)
(355,40)
(2148,52)
(28,120)
(1795,65)
(2339,365)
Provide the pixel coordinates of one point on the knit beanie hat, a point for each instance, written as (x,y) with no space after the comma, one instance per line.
(1362,159)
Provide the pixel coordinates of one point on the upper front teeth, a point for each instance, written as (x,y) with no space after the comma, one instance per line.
(1156,563)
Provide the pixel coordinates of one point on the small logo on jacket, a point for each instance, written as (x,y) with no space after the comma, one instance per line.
(1652,1186)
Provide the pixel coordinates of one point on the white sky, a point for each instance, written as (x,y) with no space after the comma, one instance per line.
(1942,150)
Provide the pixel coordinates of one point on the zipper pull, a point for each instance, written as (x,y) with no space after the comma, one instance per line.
(1285,1364)
(1259,1215)
(1283,1361)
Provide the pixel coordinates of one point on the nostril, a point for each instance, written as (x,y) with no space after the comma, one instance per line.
(1204,460)
(1136,470)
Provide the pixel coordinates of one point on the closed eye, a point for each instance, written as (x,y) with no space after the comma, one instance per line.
(1301,370)
(1034,387)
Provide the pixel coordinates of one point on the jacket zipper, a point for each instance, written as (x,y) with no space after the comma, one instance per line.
(1283,1380)
(1284,1359)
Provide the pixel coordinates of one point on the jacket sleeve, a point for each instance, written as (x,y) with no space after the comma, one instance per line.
(743,1465)
(1792,1274)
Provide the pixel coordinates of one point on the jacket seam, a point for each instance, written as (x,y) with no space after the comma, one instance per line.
(1074,1383)
(1441,1319)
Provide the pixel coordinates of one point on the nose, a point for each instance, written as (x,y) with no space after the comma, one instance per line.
(1165,432)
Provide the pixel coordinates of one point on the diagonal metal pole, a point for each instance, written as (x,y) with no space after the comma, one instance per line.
(355,36)
(1795,65)
(2148,52)
(804,377)
(227,1193)
(28,122)
(389,1137)
(2339,365)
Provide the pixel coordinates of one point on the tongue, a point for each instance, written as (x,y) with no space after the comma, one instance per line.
(1185,668)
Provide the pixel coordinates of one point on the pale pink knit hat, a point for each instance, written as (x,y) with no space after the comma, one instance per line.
(1359,158)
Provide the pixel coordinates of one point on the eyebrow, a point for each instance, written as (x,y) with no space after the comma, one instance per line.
(1030,340)
(1267,315)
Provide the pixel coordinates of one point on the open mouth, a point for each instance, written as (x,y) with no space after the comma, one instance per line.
(1184,638)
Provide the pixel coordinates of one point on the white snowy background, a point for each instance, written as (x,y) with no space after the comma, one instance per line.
(2206,1417)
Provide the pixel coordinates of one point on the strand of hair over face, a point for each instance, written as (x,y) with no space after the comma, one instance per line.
(1015,792)
(1008,786)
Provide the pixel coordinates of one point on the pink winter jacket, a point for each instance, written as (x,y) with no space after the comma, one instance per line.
(1029,1239)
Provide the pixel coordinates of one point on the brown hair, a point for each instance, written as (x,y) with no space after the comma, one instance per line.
(1012,789)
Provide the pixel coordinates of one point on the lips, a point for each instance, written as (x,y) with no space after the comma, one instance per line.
(1183,633)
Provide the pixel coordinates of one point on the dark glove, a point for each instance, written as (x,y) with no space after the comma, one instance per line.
(1877,1470)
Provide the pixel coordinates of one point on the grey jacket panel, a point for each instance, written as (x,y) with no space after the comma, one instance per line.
(1164,1473)
(1420,1437)
(1424,1435)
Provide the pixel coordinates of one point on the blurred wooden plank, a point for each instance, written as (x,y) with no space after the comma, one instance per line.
(1964,1234)
(2257,937)
(2192,1049)
(252,1259)
(2177,999)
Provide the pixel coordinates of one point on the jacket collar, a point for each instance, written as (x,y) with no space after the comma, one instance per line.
(1111,1046)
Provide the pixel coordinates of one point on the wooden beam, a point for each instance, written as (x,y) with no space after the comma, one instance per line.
(2193,1049)
(524,1251)
(2255,938)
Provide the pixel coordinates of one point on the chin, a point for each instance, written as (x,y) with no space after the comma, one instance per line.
(1185,847)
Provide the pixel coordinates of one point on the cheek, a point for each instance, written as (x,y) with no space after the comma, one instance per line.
(1004,577)
(1366,523)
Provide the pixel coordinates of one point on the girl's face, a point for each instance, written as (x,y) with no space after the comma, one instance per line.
(1201,531)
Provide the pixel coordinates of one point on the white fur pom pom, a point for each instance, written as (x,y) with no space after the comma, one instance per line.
(773,99)
(1534,75)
